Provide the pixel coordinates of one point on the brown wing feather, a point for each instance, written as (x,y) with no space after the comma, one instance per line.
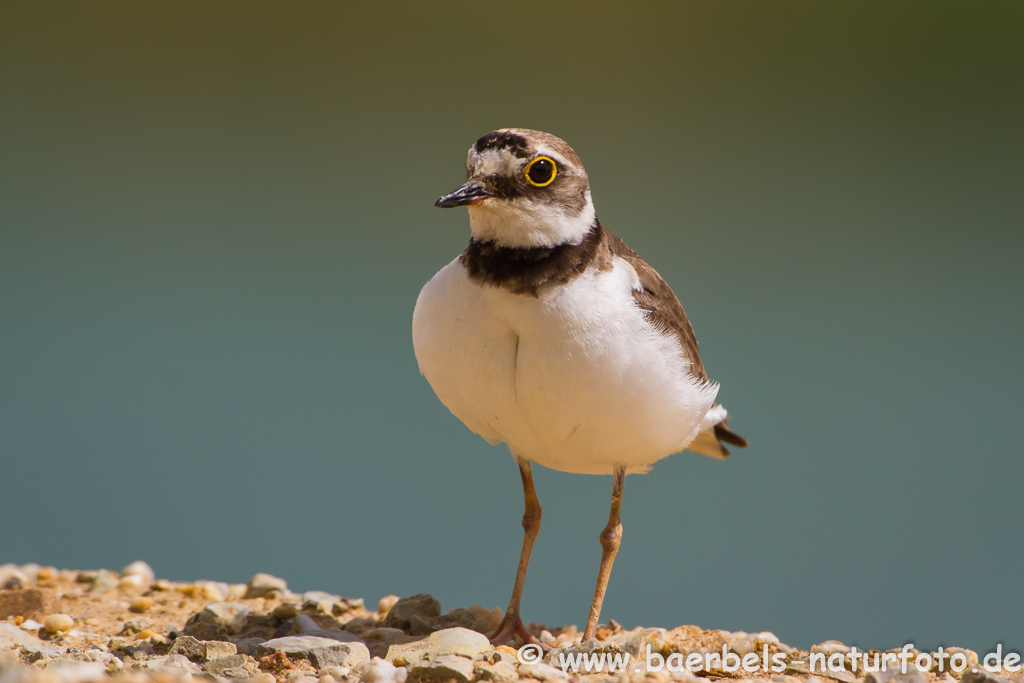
(660,302)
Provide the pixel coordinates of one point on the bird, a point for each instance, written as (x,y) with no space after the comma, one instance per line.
(549,334)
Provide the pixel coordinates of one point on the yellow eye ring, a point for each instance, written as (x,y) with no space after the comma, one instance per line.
(551,178)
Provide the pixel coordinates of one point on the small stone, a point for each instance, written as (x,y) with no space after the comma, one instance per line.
(137,625)
(170,663)
(317,650)
(230,615)
(636,642)
(830,647)
(320,601)
(458,641)
(104,581)
(12,577)
(379,670)
(304,624)
(742,646)
(264,585)
(970,655)
(218,591)
(386,603)
(58,623)
(286,611)
(360,625)
(542,672)
(487,620)
(133,583)
(764,638)
(41,654)
(499,672)
(139,568)
(232,666)
(14,583)
(442,669)
(141,604)
(235,673)
(200,651)
(202,630)
(85,576)
(421,626)
(21,603)
(248,646)
(379,640)
(334,673)
(422,605)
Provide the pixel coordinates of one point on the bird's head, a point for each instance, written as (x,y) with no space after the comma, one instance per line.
(524,188)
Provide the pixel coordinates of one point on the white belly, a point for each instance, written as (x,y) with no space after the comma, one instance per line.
(575,380)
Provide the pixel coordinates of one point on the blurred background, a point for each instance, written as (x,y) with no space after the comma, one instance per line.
(215,219)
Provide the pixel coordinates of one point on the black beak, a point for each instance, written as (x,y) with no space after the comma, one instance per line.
(471,192)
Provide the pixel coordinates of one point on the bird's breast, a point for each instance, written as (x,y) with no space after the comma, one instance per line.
(575,379)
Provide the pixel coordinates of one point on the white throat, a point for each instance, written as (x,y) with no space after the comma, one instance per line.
(522,223)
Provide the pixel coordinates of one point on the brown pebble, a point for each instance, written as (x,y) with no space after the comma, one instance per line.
(140,605)
(276,662)
(26,603)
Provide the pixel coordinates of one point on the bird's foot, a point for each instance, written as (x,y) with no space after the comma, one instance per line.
(511,625)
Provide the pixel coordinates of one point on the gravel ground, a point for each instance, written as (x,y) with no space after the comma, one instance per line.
(70,626)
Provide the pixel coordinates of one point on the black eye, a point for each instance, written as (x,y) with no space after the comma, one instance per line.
(541,171)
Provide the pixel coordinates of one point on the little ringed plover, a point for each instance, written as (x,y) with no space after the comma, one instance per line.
(549,334)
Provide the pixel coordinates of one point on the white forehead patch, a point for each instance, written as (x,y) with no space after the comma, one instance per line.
(492,162)
(501,162)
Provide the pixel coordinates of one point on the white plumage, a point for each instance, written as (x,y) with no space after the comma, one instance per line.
(575,379)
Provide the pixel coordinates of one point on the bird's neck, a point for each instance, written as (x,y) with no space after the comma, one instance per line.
(530,271)
(522,223)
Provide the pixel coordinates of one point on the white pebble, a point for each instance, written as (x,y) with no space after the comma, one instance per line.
(264,585)
(386,603)
(830,647)
(742,646)
(58,623)
(328,674)
(216,591)
(381,671)
(133,582)
(140,568)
